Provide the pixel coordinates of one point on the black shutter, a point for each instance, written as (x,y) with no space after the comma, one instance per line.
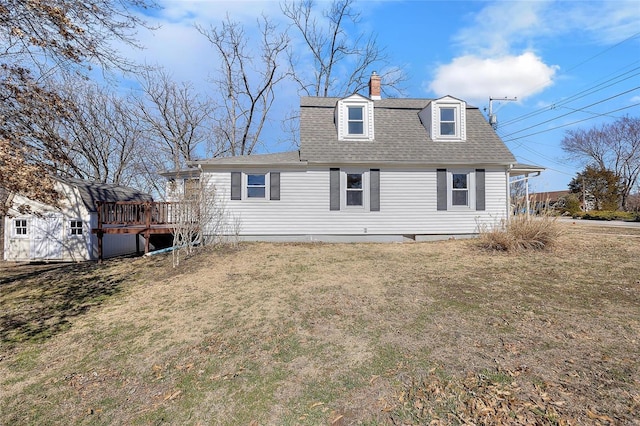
(274,179)
(442,188)
(334,190)
(374,187)
(480,197)
(236,185)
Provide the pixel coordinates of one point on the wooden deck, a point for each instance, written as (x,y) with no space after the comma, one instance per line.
(140,218)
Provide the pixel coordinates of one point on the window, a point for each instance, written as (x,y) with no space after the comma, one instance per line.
(20,227)
(354,189)
(75,227)
(459,189)
(356,120)
(191,187)
(447,121)
(256,186)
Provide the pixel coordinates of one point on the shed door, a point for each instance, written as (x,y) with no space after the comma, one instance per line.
(47,237)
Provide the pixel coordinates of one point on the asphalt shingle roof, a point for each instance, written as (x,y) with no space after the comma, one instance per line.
(399,137)
(92,192)
(289,157)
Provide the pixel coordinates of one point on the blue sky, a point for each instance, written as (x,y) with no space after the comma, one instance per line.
(571,64)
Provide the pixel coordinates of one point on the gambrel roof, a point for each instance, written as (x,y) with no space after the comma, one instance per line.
(400,137)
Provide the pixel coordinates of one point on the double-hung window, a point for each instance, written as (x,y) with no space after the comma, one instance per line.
(355,189)
(75,227)
(447,121)
(355,120)
(20,227)
(256,185)
(459,189)
(354,117)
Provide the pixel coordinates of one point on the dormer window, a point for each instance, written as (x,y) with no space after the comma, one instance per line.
(445,119)
(354,118)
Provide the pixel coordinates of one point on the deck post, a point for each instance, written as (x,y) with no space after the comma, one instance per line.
(99,233)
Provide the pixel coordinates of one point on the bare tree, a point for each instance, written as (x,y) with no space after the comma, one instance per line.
(37,34)
(342,62)
(176,119)
(40,40)
(246,81)
(200,217)
(104,136)
(612,146)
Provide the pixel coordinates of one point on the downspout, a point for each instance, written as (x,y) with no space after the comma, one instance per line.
(526,192)
(509,192)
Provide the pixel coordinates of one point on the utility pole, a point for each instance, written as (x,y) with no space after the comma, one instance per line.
(493,120)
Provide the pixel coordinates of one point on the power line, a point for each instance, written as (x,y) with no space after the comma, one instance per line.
(570,124)
(631,37)
(579,95)
(575,110)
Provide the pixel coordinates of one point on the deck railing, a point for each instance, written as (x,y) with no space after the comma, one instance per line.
(135,213)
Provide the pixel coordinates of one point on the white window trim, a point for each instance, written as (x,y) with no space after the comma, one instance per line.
(343,189)
(431,119)
(458,121)
(471,189)
(14,230)
(245,186)
(343,119)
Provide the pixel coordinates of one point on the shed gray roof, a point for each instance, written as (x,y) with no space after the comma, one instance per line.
(92,192)
(399,137)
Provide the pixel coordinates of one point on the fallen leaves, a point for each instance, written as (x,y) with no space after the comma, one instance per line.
(475,399)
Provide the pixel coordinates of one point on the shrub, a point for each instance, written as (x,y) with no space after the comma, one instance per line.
(522,233)
(571,204)
(608,215)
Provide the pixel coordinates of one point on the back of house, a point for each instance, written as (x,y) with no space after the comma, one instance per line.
(368,169)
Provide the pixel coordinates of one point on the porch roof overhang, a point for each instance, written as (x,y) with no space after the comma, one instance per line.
(519,169)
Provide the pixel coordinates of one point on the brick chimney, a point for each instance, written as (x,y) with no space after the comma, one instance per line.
(374,87)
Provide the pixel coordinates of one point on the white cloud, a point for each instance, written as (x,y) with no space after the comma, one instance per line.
(177,45)
(475,78)
(503,26)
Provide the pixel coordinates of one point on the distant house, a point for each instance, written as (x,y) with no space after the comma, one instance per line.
(542,201)
(63,233)
(371,169)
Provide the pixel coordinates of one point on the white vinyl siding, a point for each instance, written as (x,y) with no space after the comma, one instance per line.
(407,206)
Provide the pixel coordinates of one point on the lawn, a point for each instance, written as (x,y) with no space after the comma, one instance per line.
(306,334)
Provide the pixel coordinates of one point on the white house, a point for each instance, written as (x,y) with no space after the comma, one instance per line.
(63,233)
(371,169)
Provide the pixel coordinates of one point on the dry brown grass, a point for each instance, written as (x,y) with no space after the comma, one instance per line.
(350,333)
(522,233)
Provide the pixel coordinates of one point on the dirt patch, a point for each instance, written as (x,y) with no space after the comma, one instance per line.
(345,334)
